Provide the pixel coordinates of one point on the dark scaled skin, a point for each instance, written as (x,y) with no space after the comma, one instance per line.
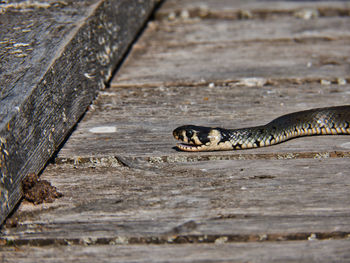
(320,121)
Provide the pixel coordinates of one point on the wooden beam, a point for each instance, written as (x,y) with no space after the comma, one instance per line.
(55,56)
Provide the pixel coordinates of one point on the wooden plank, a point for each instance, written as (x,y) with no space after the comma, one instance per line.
(189,32)
(229,50)
(240,201)
(230,62)
(212,72)
(138,122)
(241,9)
(245,208)
(54,58)
(305,251)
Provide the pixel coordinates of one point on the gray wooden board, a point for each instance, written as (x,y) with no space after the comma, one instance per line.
(238,9)
(138,122)
(309,59)
(55,55)
(286,47)
(164,83)
(301,251)
(236,200)
(225,30)
(125,185)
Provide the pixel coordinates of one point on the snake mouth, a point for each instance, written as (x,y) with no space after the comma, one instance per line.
(189,147)
(185,144)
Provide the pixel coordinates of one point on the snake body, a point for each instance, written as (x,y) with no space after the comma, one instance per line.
(320,121)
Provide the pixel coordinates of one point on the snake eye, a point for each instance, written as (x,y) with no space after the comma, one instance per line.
(189,134)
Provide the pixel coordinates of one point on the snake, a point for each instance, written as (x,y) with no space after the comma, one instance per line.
(317,121)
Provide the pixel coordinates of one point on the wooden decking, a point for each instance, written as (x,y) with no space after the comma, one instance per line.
(130,196)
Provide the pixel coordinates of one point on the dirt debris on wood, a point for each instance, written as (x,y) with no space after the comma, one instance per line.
(38,191)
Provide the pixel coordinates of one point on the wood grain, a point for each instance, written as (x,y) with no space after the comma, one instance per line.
(216,50)
(129,196)
(231,62)
(189,32)
(241,9)
(198,202)
(144,117)
(301,251)
(55,56)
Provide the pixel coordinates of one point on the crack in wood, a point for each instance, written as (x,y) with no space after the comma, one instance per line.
(175,239)
(238,82)
(139,162)
(240,14)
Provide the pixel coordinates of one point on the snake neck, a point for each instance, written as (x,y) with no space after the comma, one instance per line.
(244,138)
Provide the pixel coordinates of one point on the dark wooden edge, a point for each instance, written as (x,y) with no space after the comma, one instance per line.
(56,103)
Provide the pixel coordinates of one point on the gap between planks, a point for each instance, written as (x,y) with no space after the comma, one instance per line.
(140,161)
(239,82)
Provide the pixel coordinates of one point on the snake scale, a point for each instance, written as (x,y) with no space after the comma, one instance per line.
(319,121)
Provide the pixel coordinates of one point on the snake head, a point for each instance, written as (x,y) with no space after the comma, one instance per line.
(196,138)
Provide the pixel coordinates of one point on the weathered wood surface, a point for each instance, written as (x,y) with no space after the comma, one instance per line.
(252,202)
(143,119)
(207,63)
(55,56)
(301,251)
(241,9)
(292,48)
(202,201)
(124,185)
